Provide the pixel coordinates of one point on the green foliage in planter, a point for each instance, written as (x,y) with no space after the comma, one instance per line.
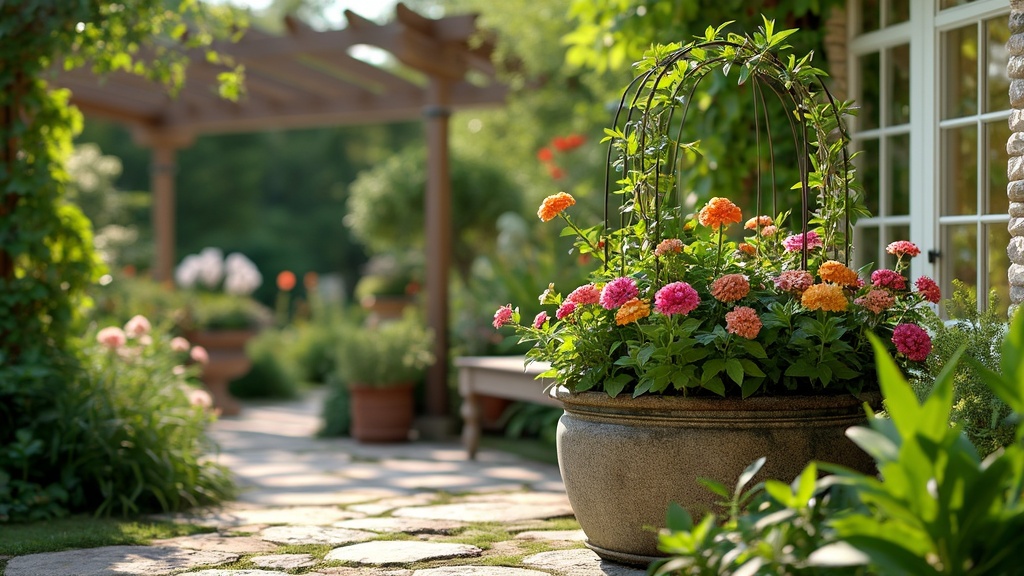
(336,415)
(272,374)
(216,311)
(935,508)
(397,352)
(311,351)
(980,412)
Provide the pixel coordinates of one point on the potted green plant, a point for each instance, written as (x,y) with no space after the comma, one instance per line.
(694,349)
(381,366)
(388,286)
(220,315)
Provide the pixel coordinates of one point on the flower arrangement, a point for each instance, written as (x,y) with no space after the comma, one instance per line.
(681,303)
(219,292)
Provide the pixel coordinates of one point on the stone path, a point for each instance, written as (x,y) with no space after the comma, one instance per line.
(334,507)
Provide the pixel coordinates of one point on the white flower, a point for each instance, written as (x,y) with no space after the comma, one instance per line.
(187,272)
(211,268)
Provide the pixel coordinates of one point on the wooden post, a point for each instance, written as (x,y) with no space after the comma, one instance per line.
(162,171)
(161,174)
(438,243)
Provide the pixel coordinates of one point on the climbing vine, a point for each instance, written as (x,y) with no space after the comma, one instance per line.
(47,258)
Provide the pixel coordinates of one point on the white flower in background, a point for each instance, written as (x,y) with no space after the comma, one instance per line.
(187,272)
(211,269)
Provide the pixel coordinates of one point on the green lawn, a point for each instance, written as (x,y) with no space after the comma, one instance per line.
(85,532)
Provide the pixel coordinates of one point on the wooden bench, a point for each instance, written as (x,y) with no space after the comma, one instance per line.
(501,377)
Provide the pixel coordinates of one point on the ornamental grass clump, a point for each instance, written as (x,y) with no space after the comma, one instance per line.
(719,299)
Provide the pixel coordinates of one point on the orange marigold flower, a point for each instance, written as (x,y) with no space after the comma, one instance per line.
(837,273)
(632,311)
(730,287)
(747,248)
(719,212)
(828,297)
(756,221)
(554,204)
(286,281)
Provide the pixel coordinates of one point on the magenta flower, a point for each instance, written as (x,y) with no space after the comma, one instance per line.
(929,289)
(885,278)
(676,298)
(795,243)
(540,319)
(618,292)
(502,316)
(586,294)
(912,341)
(566,309)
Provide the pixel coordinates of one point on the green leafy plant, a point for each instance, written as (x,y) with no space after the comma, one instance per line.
(395,353)
(272,374)
(678,307)
(936,507)
(981,413)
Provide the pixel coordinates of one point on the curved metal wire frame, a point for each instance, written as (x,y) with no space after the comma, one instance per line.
(795,97)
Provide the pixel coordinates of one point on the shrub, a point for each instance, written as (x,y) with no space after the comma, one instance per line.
(976,408)
(272,374)
(311,353)
(128,435)
(397,352)
(336,416)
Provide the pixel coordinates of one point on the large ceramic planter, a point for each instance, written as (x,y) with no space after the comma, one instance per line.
(228,361)
(381,414)
(623,460)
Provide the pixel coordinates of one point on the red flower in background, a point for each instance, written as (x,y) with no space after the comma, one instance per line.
(545,155)
(286,281)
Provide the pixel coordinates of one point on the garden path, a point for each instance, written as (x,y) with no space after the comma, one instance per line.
(332,506)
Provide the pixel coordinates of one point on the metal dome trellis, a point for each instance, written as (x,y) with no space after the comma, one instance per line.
(648,155)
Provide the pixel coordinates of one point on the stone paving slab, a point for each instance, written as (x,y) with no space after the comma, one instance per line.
(478,571)
(314,535)
(553,535)
(239,573)
(115,561)
(403,525)
(284,561)
(492,511)
(234,544)
(579,562)
(388,504)
(361,571)
(401,552)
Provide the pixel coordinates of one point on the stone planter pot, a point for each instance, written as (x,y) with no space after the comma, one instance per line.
(381,414)
(228,361)
(623,460)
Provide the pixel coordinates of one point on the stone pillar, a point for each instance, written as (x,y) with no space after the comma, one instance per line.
(1015,148)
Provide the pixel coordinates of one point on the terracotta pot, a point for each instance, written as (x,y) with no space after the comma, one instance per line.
(381,414)
(228,361)
(384,308)
(623,460)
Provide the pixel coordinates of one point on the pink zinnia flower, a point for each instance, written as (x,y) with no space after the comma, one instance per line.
(885,278)
(730,287)
(137,326)
(669,246)
(795,243)
(502,316)
(200,355)
(928,289)
(179,344)
(794,281)
(743,321)
(912,341)
(876,300)
(676,298)
(112,337)
(769,230)
(903,248)
(200,397)
(566,309)
(618,292)
(586,294)
(540,319)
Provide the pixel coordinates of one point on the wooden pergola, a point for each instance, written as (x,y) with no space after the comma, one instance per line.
(308,78)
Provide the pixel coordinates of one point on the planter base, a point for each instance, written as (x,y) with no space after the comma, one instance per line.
(638,560)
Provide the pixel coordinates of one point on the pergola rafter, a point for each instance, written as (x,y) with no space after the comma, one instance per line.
(308,78)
